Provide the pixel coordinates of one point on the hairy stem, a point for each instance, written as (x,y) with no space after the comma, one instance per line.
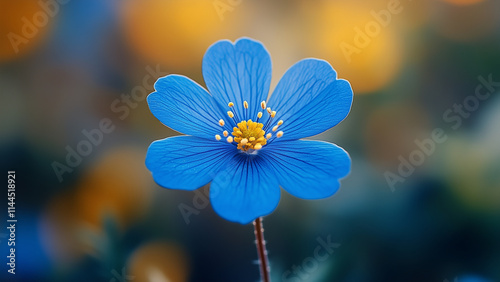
(261,250)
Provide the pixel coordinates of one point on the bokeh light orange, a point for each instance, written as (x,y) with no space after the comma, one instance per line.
(118,185)
(369,66)
(171,32)
(158,261)
(23,26)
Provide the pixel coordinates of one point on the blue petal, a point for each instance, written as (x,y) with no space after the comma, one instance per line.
(310,99)
(187,162)
(238,72)
(308,169)
(245,190)
(185,106)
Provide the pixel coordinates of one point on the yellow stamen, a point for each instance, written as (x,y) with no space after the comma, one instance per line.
(249,135)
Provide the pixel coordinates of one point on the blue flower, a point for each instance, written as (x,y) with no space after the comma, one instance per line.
(243,142)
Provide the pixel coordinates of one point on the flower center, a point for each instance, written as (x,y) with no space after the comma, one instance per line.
(251,135)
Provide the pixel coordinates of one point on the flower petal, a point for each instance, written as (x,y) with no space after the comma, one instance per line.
(245,190)
(308,169)
(310,99)
(187,162)
(185,106)
(238,72)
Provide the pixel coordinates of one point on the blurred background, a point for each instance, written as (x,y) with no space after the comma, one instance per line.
(75,127)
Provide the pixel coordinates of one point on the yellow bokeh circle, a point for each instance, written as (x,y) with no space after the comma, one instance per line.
(118,185)
(364,48)
(158,261)
(175,33)
(23,26)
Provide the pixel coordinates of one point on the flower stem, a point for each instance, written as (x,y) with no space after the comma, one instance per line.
(261,250)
